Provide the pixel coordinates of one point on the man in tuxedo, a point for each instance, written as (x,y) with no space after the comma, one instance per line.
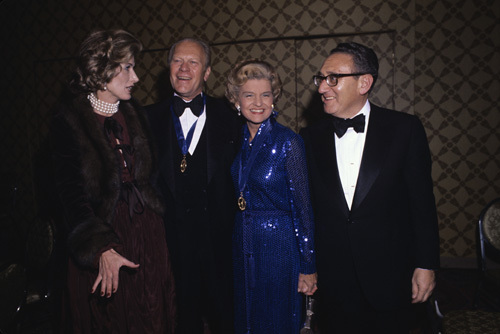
(376,223)
(196,136)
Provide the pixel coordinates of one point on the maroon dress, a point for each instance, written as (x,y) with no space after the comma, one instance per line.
(145,299)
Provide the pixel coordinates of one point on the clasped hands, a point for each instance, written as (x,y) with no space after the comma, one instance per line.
(308,284)
(110,263)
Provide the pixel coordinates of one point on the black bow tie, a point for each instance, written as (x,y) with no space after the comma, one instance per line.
(196,105)
(341,125)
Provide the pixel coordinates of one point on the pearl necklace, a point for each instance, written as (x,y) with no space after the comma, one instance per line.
(101,106)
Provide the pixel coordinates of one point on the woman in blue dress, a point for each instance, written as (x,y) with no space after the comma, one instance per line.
(273,246)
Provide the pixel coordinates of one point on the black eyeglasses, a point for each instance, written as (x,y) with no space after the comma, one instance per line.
(333,79)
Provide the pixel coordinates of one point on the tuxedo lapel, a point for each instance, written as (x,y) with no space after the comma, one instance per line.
(326,160)
(215,130)
(166,145)
(374,155)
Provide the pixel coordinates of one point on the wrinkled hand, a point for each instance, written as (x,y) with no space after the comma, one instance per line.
(110,263)
(422,284)
(308,284)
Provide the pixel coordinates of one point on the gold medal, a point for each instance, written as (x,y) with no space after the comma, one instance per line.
(242,204)
(183,164)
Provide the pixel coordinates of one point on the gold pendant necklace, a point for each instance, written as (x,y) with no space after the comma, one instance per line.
(242,204)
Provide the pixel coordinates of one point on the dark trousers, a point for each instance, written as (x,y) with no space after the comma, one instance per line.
(198,303)
(203,294)
(360,317)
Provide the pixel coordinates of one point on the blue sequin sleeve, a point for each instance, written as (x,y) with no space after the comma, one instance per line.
(298,185)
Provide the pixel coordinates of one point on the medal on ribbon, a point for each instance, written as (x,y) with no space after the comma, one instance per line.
(244,172)
(184,143)
(183,164)
(242,204)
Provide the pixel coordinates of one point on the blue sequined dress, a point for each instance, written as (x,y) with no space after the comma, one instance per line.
(273,236)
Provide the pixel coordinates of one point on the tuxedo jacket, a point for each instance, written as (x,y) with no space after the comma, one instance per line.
(391,228)
(215,218)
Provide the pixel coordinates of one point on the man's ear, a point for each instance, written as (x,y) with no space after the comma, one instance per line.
(365,83)
(207,73)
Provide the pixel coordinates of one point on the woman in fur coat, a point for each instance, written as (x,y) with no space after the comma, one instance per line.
(119,278)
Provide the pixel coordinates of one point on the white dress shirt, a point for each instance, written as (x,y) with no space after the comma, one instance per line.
(349,151)
(187,119)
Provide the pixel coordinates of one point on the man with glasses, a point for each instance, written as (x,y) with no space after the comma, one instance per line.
(376,223)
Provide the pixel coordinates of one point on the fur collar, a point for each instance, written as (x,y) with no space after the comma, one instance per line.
(100,163)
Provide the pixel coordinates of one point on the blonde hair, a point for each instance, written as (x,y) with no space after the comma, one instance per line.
(251,69)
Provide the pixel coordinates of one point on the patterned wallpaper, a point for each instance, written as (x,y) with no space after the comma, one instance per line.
(439,60)
(457,68)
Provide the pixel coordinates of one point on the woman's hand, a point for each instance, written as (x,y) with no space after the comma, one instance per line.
(110,263)
(308,283)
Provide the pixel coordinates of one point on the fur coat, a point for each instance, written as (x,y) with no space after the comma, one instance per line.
(88,175)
